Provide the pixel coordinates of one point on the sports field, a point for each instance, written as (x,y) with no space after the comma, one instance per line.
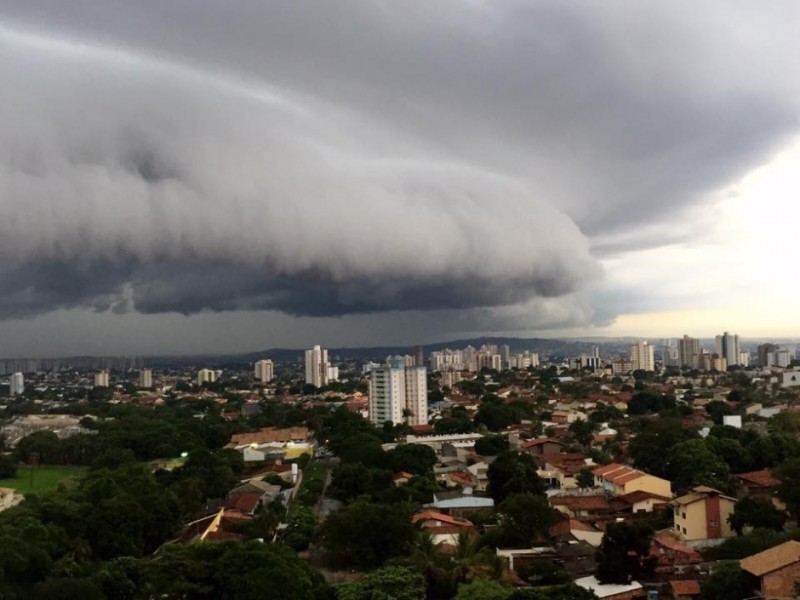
(41,479)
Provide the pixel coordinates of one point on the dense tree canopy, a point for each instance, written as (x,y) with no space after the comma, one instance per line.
(513,473)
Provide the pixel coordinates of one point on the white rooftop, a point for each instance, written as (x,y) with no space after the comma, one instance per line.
(604,590)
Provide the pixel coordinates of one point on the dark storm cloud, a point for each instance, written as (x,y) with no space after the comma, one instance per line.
(322,158)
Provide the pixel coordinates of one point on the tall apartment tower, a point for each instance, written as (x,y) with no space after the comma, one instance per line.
(265,371)
(17,384)
(398,394)
(689,353)
(206,376)
(101,379)
(643,357)
(728,348)
(317,366)
(146,378)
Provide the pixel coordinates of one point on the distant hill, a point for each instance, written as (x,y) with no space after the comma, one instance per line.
(544,346)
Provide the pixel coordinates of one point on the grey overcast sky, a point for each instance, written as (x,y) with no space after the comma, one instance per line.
(197,175)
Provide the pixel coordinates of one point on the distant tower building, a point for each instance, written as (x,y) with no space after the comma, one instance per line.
(689,353)
(317,366)
(265,371)
(643,357)
(17,387)
(505,354)
(763,354)
(715,362)
(779,357)
(101,379)
(146,378)
(728,348)
(206,376)
(398,394)
(419,357)
(333,373)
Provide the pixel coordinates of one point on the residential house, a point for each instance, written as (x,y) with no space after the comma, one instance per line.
(479,474)
(702,514)
(642,501)
(684,589)
(215,527)
(459,502)
(246,504)
(619,480)
(761,485)
(540,446)
(674,558)
(443,528)
(402,478)
(559,470)
(776,571)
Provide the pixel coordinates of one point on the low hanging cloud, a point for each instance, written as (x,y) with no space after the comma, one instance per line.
(151,188)
(324,159)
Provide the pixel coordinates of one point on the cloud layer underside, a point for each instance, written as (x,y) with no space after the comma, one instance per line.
(327,158)
(133,184)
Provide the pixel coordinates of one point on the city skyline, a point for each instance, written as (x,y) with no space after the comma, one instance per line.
(264,175)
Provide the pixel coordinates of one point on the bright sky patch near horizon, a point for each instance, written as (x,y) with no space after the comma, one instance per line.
(211,176)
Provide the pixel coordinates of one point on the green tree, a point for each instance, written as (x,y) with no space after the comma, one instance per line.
(650,447)
(67,588)
(756,514)
(352,480)
(582,431)
(483,589)
(584,478)
(560,592)
(8,466)
(491,445)
(624,553)
(727,582)
(413,458)
(717,409)
(788,473)
(366,535)
(692,463)
(513,473)
(231,571)
(525,517)
(395,583)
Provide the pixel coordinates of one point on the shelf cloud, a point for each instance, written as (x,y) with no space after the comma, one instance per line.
(323,159)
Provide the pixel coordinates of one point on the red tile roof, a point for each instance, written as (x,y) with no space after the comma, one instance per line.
(773,559)
(433,515)
(245,503)
(641,496)
(539,442)
(580,502)
(763,478)
(685,587)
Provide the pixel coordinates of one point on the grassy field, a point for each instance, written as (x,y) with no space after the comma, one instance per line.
(44,479)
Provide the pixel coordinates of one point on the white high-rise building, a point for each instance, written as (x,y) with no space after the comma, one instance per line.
(728,348)
(265,371)
(17,387)
(417,395)
(398,394)
(779,357)
(101,379)
(643,357)
(206,376)
(146,378)
(317,366)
